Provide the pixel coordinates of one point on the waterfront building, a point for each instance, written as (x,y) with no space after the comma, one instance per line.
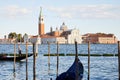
(36,38)
(74,35)
(53,39)
(99,38)
(26,38)
(71,35)
(62,35)
(7,41)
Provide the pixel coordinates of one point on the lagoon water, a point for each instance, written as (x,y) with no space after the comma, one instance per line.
(101,68)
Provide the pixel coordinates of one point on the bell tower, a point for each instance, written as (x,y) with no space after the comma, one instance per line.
(41,24)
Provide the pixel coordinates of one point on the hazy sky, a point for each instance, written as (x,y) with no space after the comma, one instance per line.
(89,16)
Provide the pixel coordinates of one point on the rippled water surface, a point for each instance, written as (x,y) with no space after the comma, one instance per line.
(101,68)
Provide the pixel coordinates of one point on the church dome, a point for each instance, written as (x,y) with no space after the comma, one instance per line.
(63,27)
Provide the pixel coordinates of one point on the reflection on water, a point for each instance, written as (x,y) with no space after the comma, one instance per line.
(101,68)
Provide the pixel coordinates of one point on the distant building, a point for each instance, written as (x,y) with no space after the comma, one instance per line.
(62,35)
(99,38)
(37,38)
(74,35)
(53,39)
(7,41)
(26,38)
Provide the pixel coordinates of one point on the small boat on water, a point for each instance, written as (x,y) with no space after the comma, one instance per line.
(75,72)
(10,57)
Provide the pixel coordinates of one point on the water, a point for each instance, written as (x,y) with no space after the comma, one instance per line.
(102,68)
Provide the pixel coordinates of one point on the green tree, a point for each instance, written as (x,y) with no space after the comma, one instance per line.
(19,37)
(12,35)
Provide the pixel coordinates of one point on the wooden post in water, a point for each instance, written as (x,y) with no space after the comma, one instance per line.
(36,49)
(76,55)
(34,62)
(76,60)
(26,60)
(48,55)
(34,41)
(88,60)
(57,57)
(119,60)
(14,58)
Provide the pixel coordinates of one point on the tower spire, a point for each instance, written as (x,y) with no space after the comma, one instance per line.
(40,11)
(41,23)
(41,16)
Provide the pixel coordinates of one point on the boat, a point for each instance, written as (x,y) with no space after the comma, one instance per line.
(10,57)
(75,72)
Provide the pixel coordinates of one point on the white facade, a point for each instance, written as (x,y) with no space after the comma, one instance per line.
(63,36)
(35,39)
(30,38)
(7,41)
(74,35)
(69,37)
(60,40)
(26,38)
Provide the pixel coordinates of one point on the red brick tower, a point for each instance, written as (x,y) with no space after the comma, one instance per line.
(41,24)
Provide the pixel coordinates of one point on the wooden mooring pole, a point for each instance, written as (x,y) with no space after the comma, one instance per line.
(76,55)
(88,60)
(34,62)
(119,60)
(26,60)
(48,55)
(14,59)
(57,57)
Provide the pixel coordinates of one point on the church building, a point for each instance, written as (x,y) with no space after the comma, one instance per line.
(63,35)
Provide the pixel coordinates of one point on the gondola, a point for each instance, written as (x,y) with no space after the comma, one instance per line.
(75,72)
(10,57)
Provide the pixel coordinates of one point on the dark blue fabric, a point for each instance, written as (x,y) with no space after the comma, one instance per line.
(76,70)
(66,76)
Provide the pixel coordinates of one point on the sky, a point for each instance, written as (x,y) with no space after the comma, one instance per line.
(89,16)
